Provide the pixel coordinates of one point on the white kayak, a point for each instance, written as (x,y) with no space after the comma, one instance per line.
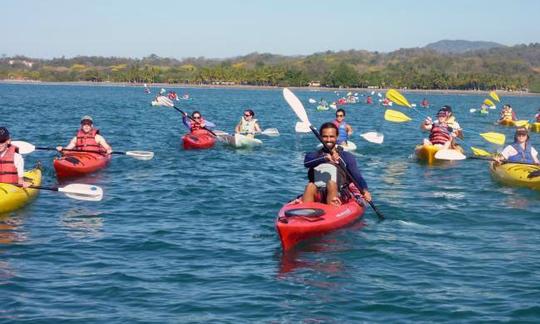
(350,146)
(239,140)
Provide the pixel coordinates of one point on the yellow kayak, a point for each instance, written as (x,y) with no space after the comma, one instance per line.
(507,122)
(515,174)
(426,153)
(535,127)
(13,197)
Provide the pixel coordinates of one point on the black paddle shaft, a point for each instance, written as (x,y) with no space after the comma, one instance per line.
(344,168)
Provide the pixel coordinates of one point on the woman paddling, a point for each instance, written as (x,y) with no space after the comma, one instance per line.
(88,139)
(248,124)
(196,122)
(521,150)
(11,162)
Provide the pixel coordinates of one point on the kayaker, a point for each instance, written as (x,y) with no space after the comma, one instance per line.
(451,120)
(440,132)
(248,124)
(332,194)
(519,151)
(11,162)
(196,122)
(369,100)
(87,139)
(345,130)
(424,103)
(537,116)
(507,113)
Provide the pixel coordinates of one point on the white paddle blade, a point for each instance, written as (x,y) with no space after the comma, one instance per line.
(472,110)
(373,137)
(450,155)
(24,147)
(312,101)
(141,155)
(220,133)
(296,105)
(164,101)
(302,128)
(81,191)
(270,132)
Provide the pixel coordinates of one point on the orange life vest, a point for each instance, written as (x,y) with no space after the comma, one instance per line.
(87,141)
(439,134)
(194,126)
(8,171)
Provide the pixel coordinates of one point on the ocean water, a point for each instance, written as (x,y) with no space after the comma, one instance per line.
(189,236)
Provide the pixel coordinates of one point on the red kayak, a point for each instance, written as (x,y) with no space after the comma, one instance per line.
(199,139)
(299,221)
(76,164)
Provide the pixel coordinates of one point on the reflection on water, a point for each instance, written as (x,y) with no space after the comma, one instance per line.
(83,223)
(394,172)
(11,230)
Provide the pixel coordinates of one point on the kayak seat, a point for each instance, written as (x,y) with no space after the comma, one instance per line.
(72,159)
(305,212)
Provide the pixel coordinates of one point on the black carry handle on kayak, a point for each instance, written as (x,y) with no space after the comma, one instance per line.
(344,169)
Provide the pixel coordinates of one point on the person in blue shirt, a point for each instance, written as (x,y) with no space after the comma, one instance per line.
(196,122)
(334,192)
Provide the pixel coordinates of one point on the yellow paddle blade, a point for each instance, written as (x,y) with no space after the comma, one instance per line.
(494,95)
(489,102)
(496,138)
(521,123)
(396,116)
(397,97)
(479,152)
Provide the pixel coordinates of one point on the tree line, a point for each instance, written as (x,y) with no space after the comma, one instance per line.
(514,68)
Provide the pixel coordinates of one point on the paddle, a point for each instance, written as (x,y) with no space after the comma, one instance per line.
(489,103)
(373,137)
(399,117)
(77,191)
(494,95)
(272,132)
(300,112)
(398,98)
(164,101)
(26,148)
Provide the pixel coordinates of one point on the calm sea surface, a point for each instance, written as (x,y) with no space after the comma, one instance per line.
(189,236)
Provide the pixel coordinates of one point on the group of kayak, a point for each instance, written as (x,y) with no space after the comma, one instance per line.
(508,118)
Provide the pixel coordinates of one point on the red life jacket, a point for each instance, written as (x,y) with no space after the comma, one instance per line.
(8,171)
(439,134)
(194,126)
(87,141)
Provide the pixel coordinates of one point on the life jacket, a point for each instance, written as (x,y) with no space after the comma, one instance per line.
(8,171)
(425,103)
(343,136)
(523,155)
(507,114)
(172,95)
(439,134)
(538,118)
(369,100)
(194,126)
(87,141)
(247,126)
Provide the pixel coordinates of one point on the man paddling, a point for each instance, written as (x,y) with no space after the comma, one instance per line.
(87,139)
(11,162)
(521,150)
(334,192)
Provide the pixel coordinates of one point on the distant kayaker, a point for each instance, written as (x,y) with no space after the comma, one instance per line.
(345,130)
(537,116)
(519,151)
(369,100)
(11,162)
(424,103)
(248,124)
(440,132)
(507,113)
(332,194)
(87,139)
(196,122)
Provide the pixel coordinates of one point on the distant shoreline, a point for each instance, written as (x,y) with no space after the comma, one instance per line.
(253,87)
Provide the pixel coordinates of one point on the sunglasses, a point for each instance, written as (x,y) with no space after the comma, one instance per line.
(198,117)
(340,115)
(247,115)
(4,142)
(521,134)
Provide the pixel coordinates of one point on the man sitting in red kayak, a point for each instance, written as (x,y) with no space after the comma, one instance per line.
(196,122)
(11,162)
(332,193)
(88,139)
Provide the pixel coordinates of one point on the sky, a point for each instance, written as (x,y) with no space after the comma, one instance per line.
(220,29)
